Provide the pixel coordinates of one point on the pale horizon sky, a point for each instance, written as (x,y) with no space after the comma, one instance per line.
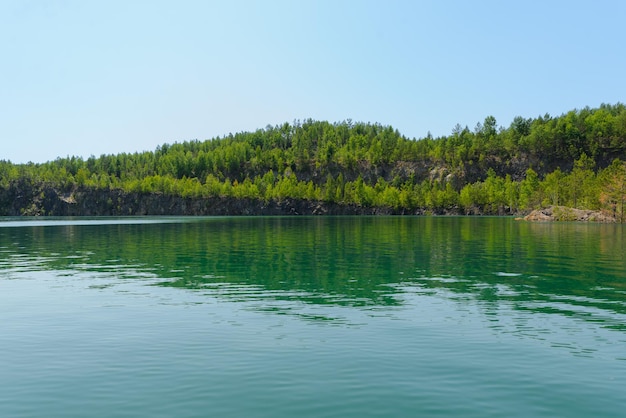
(103,77)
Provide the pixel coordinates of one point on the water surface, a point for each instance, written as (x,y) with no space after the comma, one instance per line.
(346,316)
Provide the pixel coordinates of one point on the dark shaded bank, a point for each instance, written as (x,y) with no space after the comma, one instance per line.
(23,198)
(33,200)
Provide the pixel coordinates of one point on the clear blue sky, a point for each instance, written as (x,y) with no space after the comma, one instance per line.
(100,77)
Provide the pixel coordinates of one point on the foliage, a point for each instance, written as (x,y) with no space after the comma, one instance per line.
(547,160)
(613,193)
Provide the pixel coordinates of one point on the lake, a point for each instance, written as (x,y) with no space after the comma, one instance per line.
(311,317)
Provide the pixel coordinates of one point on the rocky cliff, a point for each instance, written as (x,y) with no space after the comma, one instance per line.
(25,199)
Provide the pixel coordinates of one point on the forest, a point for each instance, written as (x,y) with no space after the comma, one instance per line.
(577,159)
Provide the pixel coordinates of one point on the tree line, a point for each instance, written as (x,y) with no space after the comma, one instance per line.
(576,159)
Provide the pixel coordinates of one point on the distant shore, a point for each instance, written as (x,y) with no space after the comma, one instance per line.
(45,200)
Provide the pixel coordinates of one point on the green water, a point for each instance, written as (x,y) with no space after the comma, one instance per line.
(311,317)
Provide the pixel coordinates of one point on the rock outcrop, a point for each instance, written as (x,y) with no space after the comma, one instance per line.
(563,213)
(26,199)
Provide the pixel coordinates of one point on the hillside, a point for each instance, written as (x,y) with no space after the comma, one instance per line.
(316,167)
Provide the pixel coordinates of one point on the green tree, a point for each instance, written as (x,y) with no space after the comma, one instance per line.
(529,190)
(554,188)
(580,182)
(613,193)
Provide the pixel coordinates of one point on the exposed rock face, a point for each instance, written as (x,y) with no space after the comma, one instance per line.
(28,199)
(41,200)
(563,213)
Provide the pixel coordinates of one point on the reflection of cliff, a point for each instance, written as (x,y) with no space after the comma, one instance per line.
(351,261)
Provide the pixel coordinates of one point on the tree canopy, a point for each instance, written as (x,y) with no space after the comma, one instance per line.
(576,159)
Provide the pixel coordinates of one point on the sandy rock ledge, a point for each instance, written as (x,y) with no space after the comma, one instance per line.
(564,213)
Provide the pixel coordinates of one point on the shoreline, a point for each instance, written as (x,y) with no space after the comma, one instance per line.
(48,201)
